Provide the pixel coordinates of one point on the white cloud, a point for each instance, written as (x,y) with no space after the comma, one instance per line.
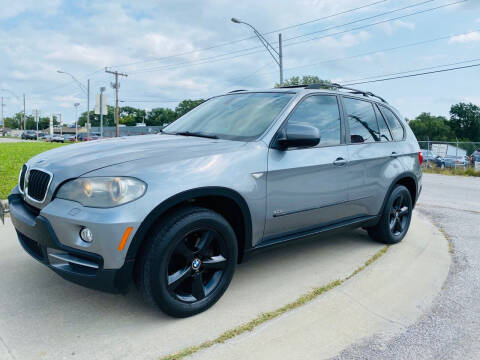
(14,8)
(390,27)
(465,38)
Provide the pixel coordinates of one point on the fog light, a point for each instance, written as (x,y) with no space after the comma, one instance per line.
(86,235)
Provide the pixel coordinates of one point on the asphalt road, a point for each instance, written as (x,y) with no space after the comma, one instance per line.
(451,328)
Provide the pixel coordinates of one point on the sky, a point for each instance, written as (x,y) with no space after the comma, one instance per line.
(173,50)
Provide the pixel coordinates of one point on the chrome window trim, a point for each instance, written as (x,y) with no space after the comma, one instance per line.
(46,190)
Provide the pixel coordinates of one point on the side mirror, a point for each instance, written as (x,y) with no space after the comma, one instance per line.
(297,135)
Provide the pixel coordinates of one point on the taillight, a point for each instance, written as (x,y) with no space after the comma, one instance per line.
(420,157)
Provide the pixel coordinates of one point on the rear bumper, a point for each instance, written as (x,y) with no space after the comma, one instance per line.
(38,238)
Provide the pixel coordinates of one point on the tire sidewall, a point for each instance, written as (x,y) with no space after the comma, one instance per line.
(160,255)
(386,213)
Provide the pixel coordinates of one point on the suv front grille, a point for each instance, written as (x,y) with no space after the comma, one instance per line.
(37,185)
(21,181)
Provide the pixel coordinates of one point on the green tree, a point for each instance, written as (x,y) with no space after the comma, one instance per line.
(305,80)
(428,127)
(160,116)
(187,105)
(465,121)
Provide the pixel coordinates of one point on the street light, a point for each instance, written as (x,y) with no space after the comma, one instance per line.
(277,55)
(76,119)
(86,91)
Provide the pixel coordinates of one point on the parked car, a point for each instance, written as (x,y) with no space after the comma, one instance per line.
(430,159)
(475,157)
(241,172)
(41,136)
(452,161)
(83,136)
(54,138)
(69,137)
(29,135)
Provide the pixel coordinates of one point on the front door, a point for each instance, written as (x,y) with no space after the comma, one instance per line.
(308,187)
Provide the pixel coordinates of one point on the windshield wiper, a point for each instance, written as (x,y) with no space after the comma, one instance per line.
(197,134)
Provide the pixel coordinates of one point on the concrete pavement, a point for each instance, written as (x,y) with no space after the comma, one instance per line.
(451,328)
(43,316)
(382,300)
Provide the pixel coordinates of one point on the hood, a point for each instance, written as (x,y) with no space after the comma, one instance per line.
(78,159)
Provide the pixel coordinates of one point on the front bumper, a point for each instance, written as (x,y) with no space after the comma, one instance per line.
(38,238)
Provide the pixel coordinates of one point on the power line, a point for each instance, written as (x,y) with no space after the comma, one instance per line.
(373,52)
(413,75)
(223,57)
(420,69)
(260,47)
(253,37)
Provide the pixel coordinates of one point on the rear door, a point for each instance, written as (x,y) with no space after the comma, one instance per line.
(307,187)
(372,153)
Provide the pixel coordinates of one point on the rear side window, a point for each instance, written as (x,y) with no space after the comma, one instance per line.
(322,112)
(384,131)
(361,121)
(393,123)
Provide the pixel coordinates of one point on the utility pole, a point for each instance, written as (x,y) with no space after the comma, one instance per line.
(280,57)
(76,119)
(88,108)
(3,122)
(35,113)
(102,89)
(116,86)
(24,114)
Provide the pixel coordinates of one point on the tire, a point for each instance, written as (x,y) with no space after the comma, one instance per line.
(395,219)
(188,261)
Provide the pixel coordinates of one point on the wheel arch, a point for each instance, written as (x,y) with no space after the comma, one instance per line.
(407,179)
(229,203)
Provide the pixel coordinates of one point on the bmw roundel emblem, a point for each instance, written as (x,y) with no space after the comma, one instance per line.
(196,264)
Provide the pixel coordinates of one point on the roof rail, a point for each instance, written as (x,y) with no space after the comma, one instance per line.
(234,91)
(340,87)
(291,86)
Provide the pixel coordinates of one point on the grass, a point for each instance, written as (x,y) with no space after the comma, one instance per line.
(12,157)
(452,171)
(264,317)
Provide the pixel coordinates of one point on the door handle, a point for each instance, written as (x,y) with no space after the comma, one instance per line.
(340,162)
(393,154)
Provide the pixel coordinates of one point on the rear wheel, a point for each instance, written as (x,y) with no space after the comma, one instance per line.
(396,216)
(188,262)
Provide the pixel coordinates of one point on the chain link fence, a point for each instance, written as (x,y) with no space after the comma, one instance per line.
(451,154)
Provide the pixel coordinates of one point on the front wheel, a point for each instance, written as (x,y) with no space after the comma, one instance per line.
(395,219)
(188,261)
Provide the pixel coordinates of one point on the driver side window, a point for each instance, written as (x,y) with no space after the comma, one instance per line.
(322,112)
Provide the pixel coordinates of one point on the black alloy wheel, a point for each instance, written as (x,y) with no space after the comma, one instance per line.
(196,265)
(187,262)
(399,215)
(395,217)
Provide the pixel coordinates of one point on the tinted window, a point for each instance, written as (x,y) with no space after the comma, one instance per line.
(395,127)
(323,113)
(233,116)
(384,132)
(362,121)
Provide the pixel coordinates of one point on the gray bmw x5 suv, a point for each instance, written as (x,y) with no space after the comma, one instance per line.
(241,172)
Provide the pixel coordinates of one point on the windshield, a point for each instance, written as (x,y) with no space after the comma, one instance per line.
(234,116)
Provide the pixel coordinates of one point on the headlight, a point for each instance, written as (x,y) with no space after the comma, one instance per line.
(102,192)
